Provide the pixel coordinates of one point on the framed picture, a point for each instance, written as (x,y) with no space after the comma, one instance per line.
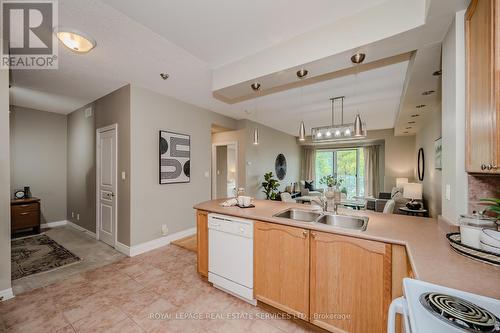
(438,154)
(175,155)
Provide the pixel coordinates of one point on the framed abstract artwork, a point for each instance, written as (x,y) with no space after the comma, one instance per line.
(175,155)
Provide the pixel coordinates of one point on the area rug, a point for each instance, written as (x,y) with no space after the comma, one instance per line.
(37,254)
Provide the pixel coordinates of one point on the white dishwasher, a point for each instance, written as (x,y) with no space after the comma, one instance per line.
(230,255)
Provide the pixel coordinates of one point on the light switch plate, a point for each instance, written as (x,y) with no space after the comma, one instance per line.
(448,192)
(123,175)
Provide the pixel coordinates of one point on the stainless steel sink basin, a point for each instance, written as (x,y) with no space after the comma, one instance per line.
(299,215)
(342,221)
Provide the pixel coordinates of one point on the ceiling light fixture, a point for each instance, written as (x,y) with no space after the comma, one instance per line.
(414,115)
(420,106)
(302,73)
(164,76)
(340,131)
(411,122)
(74,40)
(256,87)
(357,59)
(428,92)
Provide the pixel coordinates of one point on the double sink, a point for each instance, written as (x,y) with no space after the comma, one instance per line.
(334,220)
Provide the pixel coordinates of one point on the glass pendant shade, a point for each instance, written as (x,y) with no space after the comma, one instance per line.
(358,126)
(256,136)
(302,132)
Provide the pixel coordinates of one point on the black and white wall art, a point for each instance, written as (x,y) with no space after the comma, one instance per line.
(175,152)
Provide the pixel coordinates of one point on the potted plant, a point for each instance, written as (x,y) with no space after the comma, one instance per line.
(331,181)
(270,186)
(493,207)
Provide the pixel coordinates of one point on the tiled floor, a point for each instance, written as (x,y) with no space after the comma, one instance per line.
(158,291)
(92,252)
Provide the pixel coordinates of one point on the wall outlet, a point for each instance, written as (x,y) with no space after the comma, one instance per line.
(73,215)
(448,192)
(164,229)
(78,217)
(124,176)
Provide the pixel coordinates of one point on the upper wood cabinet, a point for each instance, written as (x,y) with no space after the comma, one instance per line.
(482,38)
(281,267)
(350,283)
(202,242)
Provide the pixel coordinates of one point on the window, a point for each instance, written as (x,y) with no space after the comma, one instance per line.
(348,164)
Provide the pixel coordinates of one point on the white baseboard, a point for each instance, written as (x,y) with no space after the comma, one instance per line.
(125,249)
(77,227)
(54,224)
(6,294)
(159,242)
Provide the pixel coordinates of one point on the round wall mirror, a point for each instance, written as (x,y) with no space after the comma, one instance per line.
(280,166)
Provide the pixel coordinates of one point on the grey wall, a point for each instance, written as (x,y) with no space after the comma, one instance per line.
(453,108)
(110,109)
(425,138)
(4,182)
(38,158)
(81,169)
(172,204)
(261,158)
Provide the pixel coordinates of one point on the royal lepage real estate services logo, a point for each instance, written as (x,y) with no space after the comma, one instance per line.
(28,39)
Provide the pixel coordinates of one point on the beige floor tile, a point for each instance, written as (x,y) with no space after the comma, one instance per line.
(100,321)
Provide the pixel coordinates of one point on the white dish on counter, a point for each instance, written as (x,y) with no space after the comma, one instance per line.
(489,248)
(490,237)
(471,228)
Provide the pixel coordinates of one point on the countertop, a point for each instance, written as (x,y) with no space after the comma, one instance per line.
(430,255)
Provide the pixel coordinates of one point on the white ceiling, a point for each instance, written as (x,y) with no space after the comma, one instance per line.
(186,44)
(222,31)
(374,94)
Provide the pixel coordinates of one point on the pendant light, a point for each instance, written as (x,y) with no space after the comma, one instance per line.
(357,59)
(302,129)
(255,87)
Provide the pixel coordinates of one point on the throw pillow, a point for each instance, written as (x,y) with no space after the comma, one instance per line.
(310,185)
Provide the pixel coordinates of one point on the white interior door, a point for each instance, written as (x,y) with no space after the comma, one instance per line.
(106,185)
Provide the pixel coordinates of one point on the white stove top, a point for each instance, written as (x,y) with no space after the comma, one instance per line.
(422,320)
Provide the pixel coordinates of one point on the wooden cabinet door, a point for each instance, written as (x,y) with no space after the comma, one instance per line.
(281,267)
(202,242)
(482,86)
(350,283)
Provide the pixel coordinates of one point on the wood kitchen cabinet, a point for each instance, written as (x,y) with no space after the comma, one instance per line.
(202,242)
(281,267)
(482,38)
(351,284)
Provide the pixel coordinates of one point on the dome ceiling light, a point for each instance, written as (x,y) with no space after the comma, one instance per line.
(74,40)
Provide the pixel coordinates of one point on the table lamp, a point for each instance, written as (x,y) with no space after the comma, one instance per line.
(400,182)
(413,191)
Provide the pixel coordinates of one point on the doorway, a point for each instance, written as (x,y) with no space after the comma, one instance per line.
(224,170)
(106,184)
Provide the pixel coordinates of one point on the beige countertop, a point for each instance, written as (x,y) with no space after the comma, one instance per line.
(431,257)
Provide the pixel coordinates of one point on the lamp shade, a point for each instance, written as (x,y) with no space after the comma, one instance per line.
(412,191)
(400,182)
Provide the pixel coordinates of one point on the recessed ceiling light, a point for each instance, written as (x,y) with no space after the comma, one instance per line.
(255,86)
(428,92)
(411,122)
(438,73)
(414,115)
(358,58)
(420,106)
(74,40)
(164,76)
(302,73)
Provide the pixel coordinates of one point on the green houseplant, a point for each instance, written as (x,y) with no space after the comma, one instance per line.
(330,180)
(493,207)
(270,186)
